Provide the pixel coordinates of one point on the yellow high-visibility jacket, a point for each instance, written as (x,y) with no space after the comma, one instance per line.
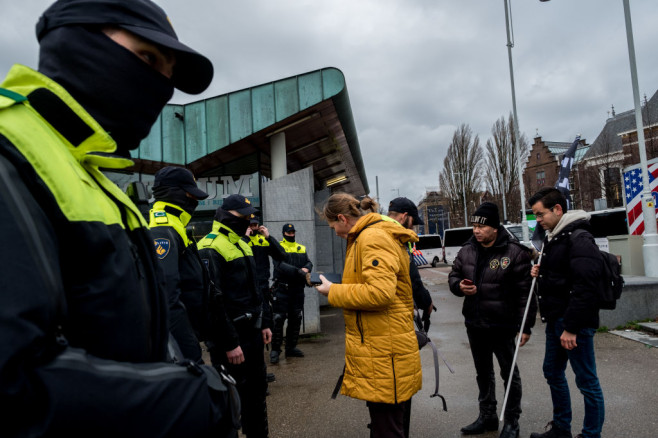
(382,361)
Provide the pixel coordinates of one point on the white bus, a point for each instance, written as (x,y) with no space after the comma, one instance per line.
(428,250)
(453,239)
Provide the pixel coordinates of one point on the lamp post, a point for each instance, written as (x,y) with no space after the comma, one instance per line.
(463,194)
(650,245)
(517,147)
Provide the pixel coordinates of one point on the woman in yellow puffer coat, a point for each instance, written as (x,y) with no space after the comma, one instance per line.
(382,362)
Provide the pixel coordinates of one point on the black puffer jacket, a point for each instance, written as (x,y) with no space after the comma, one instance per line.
(569,276)
(503,283)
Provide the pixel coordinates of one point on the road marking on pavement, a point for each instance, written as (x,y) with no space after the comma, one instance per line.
(439,272)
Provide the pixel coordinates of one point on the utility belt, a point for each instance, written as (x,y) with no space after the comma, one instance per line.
(249,319)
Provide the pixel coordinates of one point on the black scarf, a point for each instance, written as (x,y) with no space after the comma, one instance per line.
(123,93)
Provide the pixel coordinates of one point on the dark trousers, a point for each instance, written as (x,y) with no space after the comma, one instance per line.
(583,364)
(251,381)
(288,304)
(389,420)
(485,343)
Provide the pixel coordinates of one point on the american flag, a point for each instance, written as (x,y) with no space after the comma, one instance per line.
(633,187)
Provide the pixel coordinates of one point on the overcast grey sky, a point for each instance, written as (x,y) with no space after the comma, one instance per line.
(415,69)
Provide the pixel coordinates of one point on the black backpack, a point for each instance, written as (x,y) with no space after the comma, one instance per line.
(612,282)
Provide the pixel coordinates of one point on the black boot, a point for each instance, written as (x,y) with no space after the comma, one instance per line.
(274,356)
(295,352)
(553,432)
(484,423)
(510,429)
(278,320)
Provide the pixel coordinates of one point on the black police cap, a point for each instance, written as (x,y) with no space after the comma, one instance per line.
(193,72)
(288,228)
(238,203)
(172,176)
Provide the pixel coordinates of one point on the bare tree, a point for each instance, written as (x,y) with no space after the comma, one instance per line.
(501,165)
(603,173)
(461,172)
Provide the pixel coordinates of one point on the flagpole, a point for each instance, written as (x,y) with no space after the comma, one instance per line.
(650,246)
(518,338)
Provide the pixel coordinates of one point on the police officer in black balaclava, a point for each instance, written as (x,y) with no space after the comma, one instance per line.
(290,279)
(83,317)
(186,279)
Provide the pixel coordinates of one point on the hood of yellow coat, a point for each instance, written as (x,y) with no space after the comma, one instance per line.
(397,231)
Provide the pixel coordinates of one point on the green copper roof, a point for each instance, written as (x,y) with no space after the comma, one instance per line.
(184,134)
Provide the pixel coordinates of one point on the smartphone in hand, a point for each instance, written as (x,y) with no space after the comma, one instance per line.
(332,277)
(468,282)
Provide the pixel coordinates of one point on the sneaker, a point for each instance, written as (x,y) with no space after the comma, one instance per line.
(482,424)
(274,356)
(270,376)
(295,352)
(553,432)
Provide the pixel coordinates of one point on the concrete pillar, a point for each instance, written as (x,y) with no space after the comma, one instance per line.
(278,154)
(290,199)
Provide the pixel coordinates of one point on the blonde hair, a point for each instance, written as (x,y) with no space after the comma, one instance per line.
(347,205)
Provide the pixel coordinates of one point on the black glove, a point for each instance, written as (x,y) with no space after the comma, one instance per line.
(426,319)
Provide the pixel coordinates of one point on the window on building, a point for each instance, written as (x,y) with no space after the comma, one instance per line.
(541,178)
(538,155)
(613,189)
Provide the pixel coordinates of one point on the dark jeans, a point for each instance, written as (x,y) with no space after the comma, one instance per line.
(389,420)
(485,343)
(583,364)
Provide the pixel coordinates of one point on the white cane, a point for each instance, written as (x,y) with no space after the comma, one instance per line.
(518,340)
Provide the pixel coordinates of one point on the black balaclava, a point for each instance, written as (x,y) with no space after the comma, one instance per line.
(239,225)
(176,196)
(123,93)
(289,238)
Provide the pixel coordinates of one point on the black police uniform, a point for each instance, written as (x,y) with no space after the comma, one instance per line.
(185,277)
(264,248)
(83,318)
(232,268)
(288,294)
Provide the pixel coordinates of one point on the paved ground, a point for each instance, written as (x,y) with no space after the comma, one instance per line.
(300,403)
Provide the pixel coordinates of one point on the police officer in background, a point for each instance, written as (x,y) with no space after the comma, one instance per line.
(290,278)
(239,345)
(263,246)
(80,294)
(186,280)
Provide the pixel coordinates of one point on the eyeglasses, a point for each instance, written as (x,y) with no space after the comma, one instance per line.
(541,215)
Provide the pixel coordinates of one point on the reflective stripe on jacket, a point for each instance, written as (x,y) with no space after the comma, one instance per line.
(78,270)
